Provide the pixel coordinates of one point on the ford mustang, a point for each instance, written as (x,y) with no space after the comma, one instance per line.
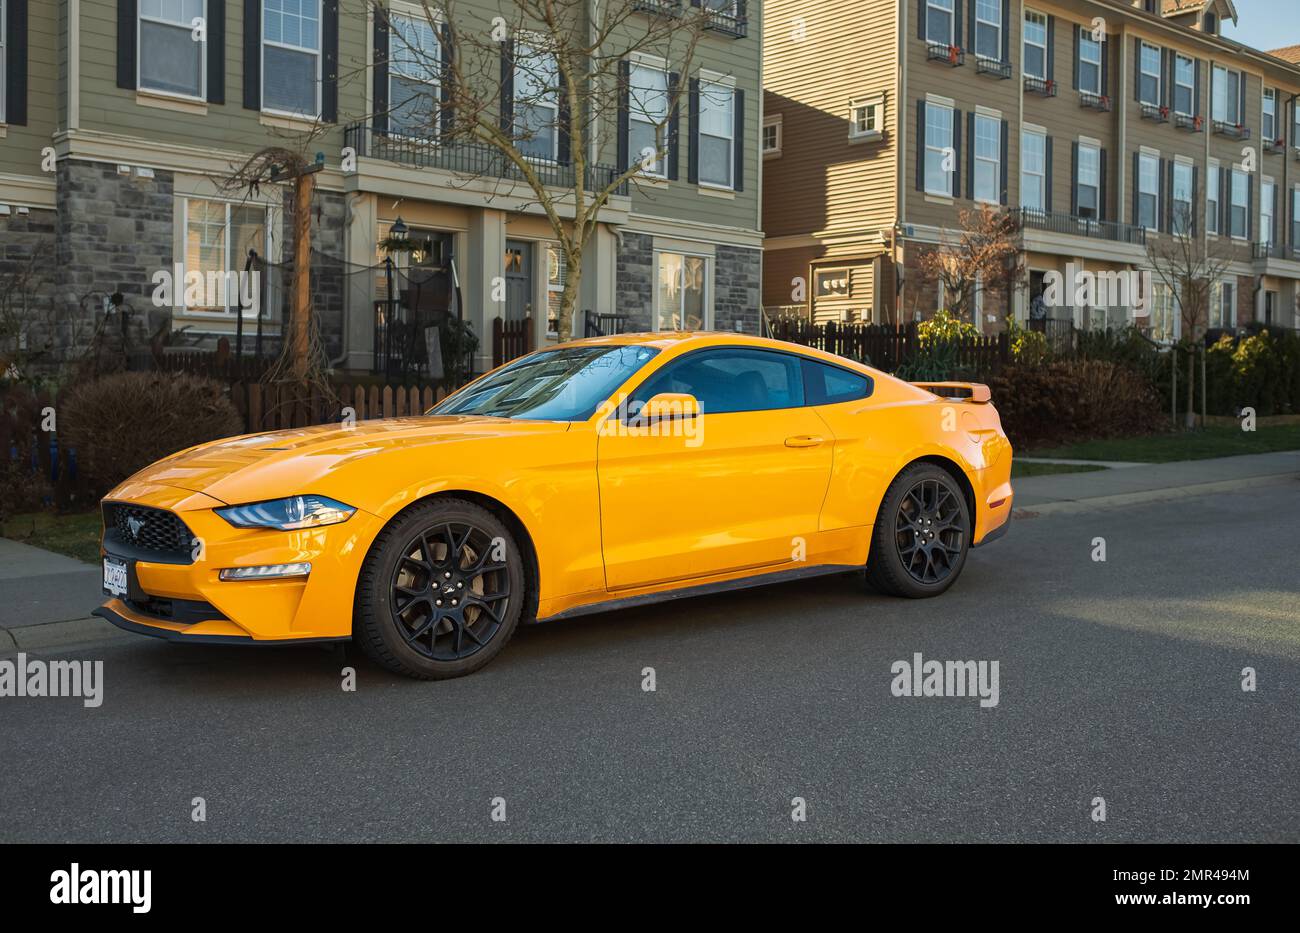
(589,476)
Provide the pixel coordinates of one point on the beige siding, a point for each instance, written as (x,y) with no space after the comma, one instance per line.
(20,148)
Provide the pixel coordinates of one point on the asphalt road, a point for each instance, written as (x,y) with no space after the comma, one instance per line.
(1118,679)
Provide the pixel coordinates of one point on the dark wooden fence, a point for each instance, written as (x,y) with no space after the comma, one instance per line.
(511,339)
(887,347)
(270,407)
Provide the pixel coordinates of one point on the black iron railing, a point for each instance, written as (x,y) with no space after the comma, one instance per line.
(951,55)
(993,67)
(1275,251)
(1155,112)
(1044,87)
(1091,101)
(603,325)
(1231,130)
(468,159)
(1186,121)
(1057,222)
(727,17)
(1274,146)
(658,7)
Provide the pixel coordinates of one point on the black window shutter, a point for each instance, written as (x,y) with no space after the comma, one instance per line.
(1047,172)
(956,146)
(1074,179)
(380,41)
(216,51)
(956,23)
(1137,188)
(1250,206)
(970,159)
(252,54)
(563,141)
(970,27)
(1225,202)
(920,145)
(16,62)
(329,93)
(1075,57)
(508,86)
(1101,185)
(738,140)
(447,113)
(1006,157)
(624,79)
(1193,224)
(1006,30)
(1241,111)
(1166,195)
(1166,78)
(1196,91)
(126,44)
(674,126)
(692,131)
(1051,48)
(920,19)
(1105,66)
(1137,69)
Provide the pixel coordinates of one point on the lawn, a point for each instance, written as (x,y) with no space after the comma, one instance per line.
(76,535)
(1019,468)
(1183,445)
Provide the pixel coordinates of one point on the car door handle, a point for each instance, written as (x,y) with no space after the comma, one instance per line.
(803,440)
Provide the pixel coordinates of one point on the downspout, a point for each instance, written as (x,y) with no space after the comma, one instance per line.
(902,109)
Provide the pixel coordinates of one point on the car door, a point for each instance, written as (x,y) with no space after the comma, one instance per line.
(732,488)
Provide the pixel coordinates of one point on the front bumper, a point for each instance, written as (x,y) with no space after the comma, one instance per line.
(188,602)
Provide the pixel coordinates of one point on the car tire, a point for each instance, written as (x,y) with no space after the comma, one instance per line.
(921,536)
(425,608)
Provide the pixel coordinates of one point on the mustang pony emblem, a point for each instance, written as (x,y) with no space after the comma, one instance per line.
(134,525)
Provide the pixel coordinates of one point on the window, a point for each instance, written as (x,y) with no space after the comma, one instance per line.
(1182,206)
(1089,181)
(988,29)
(1089,63)
(1223,305)
(1212,203)
(1035,51)
(728,381)
(681,302)
(717,129)
(1164,314)
(988,159)
(291,57)
(4,67)
(537,102)
(1240,200)
(1225,96)
(414,60)
(557,272)
(865,118)
(832,283)
(1270,115)
(940,163)
(1184,85)
(939,22)
(772,137)
(647,117)
(1295,217)
(218,236)
(1149,75)
(171,59)
(1267,191)
(1148,191)
(824,384)
(1033,170)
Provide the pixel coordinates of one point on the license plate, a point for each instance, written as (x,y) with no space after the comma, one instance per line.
(114,577)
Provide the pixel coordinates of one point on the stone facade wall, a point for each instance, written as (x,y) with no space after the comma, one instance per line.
(28,319)
(634,280)
(737,289)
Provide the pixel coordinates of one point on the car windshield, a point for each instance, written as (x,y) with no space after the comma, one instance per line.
(554,385)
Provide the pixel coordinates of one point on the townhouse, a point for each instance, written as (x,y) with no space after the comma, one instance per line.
(1102,123)
(122,121)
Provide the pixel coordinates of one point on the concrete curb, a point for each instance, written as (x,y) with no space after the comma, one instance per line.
(1067,506)
(49,635)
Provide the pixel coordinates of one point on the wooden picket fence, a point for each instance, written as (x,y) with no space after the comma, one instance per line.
(511,339)
(270,407)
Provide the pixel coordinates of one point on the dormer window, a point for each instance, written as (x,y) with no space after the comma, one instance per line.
(1211,24)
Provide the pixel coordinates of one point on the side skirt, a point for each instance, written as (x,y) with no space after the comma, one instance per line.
(704,589)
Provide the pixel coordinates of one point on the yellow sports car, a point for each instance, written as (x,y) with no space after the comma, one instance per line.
(589,476)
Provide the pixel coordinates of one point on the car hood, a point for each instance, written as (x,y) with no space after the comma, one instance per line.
(256,467)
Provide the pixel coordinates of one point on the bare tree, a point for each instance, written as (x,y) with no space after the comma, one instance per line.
(540,98)
(1187,263)
(982,254)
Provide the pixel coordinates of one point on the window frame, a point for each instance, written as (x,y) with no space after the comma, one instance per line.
(1233,207)
(178,288)
(1164,295)
(1212,217)
(1232,102)
(1268,115)
(874,107)
(772,122)
(140,19)
(1095,151)
(395,13)
(934,6)
(1143,49)
(1266,230)
(977,159)
(707,285)
(730,88)
(845,273)
(1190,87)
(942,151)
(999,26)
(1025,42)
(1178,218)
(1087,41)
(4,60)
(319,53)
(1145,161)
(636,115)
(1040,176)
(552,105)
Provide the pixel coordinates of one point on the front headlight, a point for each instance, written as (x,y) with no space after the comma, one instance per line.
(288,514)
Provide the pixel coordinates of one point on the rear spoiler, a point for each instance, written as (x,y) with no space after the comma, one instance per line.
(975,392)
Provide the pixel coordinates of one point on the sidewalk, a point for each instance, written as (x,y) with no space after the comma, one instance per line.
(1149,481)
(46,599)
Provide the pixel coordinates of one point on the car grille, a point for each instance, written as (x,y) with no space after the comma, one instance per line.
(155,531)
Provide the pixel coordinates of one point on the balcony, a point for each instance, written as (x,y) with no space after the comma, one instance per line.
(1058,222)
(1274,146)
(993,68)
(1231,130)
(1043,87)
(1091,101)
(950,55)
(468,159)
(1155,113)
(1185,121)
(726,18)
(1265,251)
(658,7)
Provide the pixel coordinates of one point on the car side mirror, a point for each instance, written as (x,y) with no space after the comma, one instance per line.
(669,406)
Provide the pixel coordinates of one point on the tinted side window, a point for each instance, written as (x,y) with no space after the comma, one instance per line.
(730,380)
(827,385)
